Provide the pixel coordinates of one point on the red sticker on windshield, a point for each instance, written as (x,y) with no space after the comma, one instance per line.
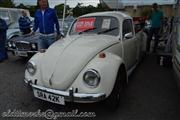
(84,24)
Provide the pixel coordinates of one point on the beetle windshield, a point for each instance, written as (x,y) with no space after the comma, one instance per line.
(96,25)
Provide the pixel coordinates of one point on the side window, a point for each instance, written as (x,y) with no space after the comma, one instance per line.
(127,27)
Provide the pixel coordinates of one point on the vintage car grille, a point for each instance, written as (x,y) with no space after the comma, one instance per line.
(25,46)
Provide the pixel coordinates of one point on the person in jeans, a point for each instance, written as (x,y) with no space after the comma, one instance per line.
(3,29)
(156,18)
(24,23)
(46,20)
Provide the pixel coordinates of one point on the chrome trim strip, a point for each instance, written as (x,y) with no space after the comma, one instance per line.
(23,42)
(14,50)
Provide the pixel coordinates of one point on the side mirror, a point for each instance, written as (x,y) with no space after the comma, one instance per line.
(128,35)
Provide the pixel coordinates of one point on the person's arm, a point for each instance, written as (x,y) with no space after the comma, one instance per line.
(6,26)
(56,22)
(3,25)
(36,23)
(162,19)
(28,22)
(20,26)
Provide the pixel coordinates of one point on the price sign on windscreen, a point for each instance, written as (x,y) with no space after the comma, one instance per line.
(83,24)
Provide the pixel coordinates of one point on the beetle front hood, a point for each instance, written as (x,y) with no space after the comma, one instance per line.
(64,60)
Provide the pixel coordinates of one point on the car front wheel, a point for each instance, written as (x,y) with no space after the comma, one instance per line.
(121,81)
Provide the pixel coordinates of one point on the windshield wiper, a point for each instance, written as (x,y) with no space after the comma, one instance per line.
(108,30)
(87,30)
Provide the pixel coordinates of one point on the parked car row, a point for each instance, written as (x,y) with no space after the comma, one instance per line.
(26,45)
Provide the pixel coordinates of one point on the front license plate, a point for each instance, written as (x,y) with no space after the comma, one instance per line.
(21,53)
(49,97)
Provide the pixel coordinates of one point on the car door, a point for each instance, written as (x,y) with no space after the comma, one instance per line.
(129,44)
(176,47)
(176,52)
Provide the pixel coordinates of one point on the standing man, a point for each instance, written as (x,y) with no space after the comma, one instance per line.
(156,18)
(46,20)
(24,23)
(3,29)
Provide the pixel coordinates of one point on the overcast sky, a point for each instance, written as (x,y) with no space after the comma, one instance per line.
(52,3)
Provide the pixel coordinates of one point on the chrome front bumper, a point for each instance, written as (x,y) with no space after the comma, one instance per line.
(29,51)
(14,51)
(70,96)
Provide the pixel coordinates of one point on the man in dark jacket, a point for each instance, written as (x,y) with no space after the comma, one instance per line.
(3,29)
(156,18)
(46,20)
(24,23)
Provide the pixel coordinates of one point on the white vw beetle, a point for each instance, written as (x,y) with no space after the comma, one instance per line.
(90,64)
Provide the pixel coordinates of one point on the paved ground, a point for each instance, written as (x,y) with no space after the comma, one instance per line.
(151,94)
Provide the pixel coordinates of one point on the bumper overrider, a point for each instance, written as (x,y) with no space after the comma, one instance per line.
(69,96)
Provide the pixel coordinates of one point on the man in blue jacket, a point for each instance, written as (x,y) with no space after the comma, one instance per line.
(46,20)
(3,29)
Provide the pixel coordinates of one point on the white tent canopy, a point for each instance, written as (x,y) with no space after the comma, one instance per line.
(121,3)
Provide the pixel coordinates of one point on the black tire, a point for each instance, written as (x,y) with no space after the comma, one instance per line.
(113,100)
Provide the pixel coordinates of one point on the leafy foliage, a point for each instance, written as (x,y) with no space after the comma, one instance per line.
(81,10)
(60,8)
(78,10)
(7,3)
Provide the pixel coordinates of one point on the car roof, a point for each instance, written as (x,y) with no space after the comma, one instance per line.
(117,14)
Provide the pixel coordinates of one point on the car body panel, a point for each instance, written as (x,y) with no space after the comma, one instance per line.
(74,53)
(13,33)
(103,65)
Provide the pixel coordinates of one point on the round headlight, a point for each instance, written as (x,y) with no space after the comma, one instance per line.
(31,68)
(33,46)
(91,78)
(9,44)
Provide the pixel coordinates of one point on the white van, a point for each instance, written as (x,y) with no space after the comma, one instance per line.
(11,15)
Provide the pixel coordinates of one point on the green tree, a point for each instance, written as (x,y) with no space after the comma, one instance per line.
(32,10)
(7,3)
(22,6)
(101,7)
(81,10)
(60,8)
